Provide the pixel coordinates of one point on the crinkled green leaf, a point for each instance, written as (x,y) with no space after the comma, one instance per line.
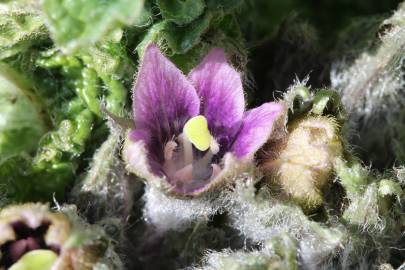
(53,167)
(49,173)
(70,136)
(108,58)
(114,68)
(192,58)
(182,39)
(20,180)
(181,11)
(187,45)
(19,29)
(97,74)
(21,116)
(158,34)
(178,39)
(78,23)
(154,34)
(353,176)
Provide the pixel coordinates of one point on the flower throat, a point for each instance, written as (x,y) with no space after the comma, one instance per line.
(188,157)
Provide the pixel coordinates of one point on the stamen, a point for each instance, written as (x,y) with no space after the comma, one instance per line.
(187,149)
(214,146)
(187,167)
(200,169)
(169,149)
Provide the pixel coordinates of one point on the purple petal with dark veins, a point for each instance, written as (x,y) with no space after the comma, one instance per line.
(139,135)
(164,99)
(153,149)
(219,87)
(256,128)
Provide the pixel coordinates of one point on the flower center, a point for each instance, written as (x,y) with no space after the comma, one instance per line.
(188,158)
(27,239)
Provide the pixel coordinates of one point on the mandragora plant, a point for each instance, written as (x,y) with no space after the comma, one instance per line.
(202,134)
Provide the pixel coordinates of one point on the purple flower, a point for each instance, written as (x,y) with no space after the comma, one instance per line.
(192,132)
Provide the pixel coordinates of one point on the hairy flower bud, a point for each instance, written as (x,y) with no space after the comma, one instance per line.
(303,166)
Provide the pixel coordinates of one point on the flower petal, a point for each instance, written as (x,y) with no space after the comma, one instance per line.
(148,158)
(256,129)
(138,157)
(219,87)
(164,99)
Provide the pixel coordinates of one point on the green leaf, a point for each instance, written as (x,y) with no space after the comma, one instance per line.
(154,34)
(19,29)
(22,181)
(21,119)
(78,23)
(182,39)
(108,58)
(353,177)
(192,58)
(181,11)
(178,39)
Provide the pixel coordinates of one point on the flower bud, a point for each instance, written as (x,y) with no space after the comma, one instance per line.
(32,237)
(303,164)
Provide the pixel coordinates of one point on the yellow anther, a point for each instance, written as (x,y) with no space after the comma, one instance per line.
(196,130)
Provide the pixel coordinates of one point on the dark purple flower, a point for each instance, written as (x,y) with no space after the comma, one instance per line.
(190,160)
